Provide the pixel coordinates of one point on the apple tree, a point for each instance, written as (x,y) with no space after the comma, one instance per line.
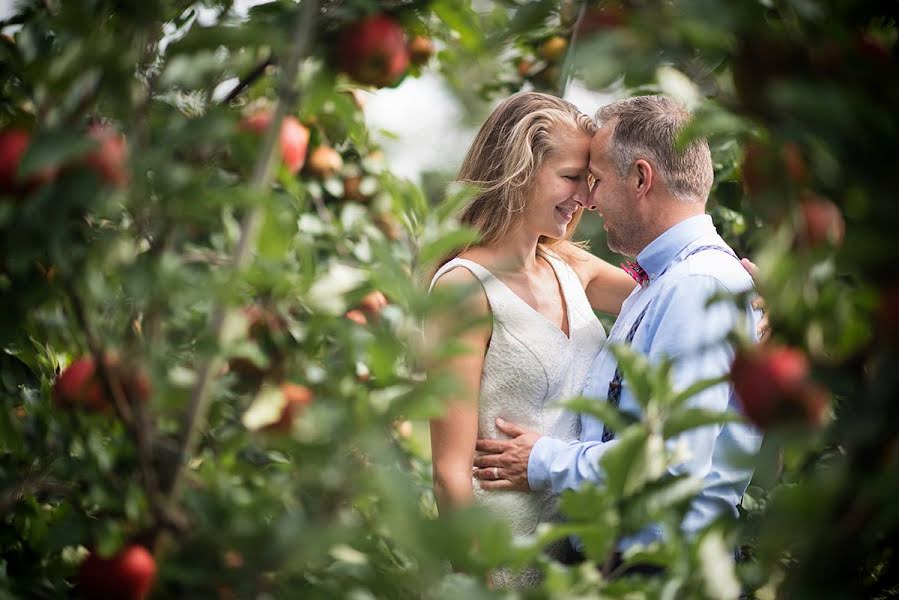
(212,373)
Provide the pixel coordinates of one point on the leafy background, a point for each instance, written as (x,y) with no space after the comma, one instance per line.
(170,271)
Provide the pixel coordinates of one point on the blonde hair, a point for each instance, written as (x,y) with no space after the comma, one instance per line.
(504,158)
(647,127)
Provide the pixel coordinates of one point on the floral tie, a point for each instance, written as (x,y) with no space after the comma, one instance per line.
(634,269)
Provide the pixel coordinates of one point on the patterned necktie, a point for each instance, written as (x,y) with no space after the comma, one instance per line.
(634,269)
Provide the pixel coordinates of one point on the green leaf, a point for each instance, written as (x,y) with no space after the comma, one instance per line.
(275,235)
(635,370)
(696,388)
(612,416)
(716,562)
(624,462)
(692,418)
(459,17)
(435,249)
(530,15)
(651,503)
(52,149)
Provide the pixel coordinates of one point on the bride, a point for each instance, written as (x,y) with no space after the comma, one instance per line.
(536,294)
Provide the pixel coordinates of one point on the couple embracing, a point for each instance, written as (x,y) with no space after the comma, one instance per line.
(537,163)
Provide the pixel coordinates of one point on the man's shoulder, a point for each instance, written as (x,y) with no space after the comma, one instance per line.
(711,267)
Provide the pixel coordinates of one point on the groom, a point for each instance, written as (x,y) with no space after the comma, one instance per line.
(652,199)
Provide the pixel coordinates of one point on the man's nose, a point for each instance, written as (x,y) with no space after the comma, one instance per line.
(585,197)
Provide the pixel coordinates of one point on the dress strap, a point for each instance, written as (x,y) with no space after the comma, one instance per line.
(483,275)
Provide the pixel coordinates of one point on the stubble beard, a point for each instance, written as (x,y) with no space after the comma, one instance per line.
(626,240)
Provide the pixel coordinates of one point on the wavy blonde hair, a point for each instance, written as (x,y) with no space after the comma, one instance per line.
(504,158)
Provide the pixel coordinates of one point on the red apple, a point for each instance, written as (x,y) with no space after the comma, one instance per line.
(293,140)
(357,316)
(372,303)
(296,398)
(325,162)
(110,158)
(773,385)
(13,144)
(128,575)
(421,49)
(373,51)
(821,221)
(610,15)
(78,386)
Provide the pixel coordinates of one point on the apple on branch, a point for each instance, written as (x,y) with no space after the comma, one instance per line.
(293,139)
(373,51)
(774,386)
(128,575)
(13,144)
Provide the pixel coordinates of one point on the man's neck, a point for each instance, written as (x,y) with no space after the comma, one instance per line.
(671,211)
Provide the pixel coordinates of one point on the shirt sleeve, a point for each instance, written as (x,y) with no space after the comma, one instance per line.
(694,334)
(558,466)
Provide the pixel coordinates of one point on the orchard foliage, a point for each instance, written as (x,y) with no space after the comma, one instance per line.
(210,297)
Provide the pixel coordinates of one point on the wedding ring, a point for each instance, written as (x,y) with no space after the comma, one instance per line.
(496,472)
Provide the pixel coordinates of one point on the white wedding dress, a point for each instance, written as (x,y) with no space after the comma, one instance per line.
(530,366)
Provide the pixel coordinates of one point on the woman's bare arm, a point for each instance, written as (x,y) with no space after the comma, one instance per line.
(453,436)
(606,286)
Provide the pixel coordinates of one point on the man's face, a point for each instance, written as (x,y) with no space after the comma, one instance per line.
(612,198)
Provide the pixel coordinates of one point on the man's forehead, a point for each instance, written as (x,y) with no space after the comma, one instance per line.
(599,141)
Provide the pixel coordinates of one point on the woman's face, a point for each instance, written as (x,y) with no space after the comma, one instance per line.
(560,185)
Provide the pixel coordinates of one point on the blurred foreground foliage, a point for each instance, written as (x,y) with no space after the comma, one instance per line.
(219,276)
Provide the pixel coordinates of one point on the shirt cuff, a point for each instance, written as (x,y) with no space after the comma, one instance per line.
(542,456)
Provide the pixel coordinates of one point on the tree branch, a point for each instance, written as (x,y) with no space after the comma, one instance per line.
(250,78)
(195,418)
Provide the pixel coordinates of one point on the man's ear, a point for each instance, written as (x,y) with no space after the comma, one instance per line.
(643,172)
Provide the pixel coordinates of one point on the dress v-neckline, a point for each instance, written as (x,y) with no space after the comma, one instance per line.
(565,305)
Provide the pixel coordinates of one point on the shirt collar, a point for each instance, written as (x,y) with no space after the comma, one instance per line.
(657,256)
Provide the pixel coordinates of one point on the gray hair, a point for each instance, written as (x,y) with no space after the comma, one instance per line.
(647,127)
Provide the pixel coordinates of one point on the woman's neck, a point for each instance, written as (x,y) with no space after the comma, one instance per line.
(515,253)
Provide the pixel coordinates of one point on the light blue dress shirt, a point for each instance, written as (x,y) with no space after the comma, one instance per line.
(679,325)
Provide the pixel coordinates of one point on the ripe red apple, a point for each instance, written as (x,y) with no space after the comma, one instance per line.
(372,303)
(110,158)
(421,49)
(821,221)
(325,162)
(608,16)
(78,387)
(13,144)
(553,48)
(373,50)
(296,398)
(128,575)
(774,386)
(356,316)
(293,140)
